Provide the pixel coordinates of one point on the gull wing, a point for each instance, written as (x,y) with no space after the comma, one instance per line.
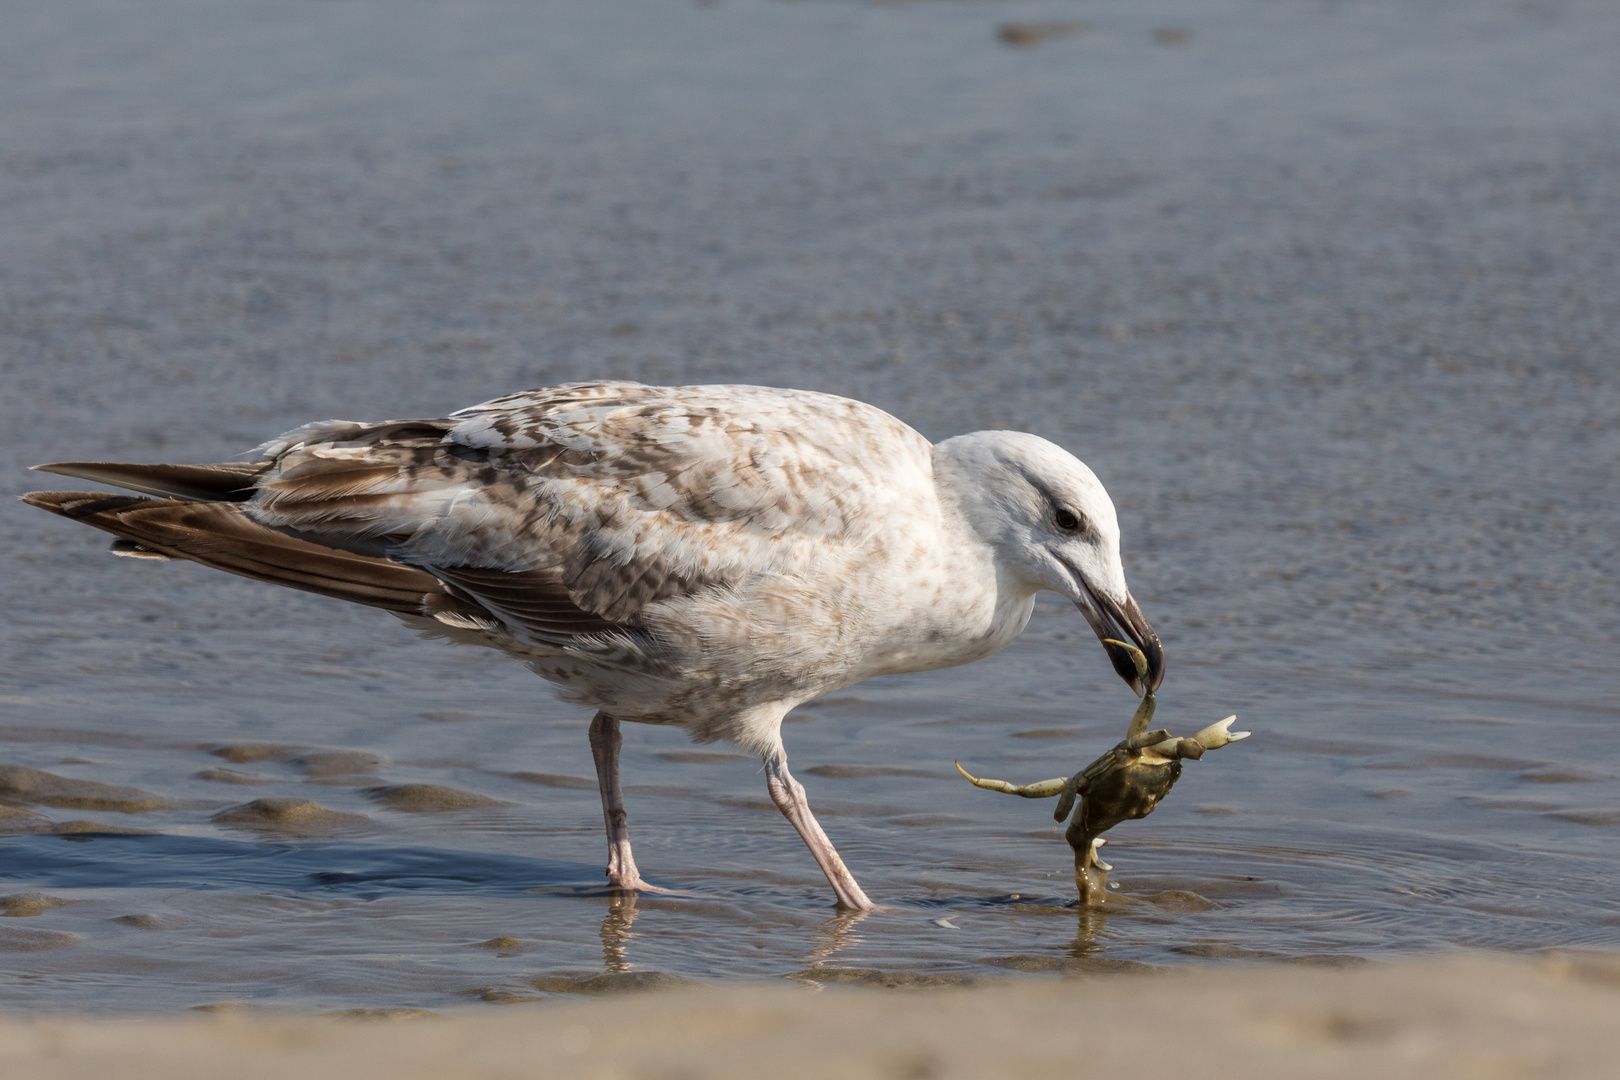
(627,495)
(220,535)
(565,513)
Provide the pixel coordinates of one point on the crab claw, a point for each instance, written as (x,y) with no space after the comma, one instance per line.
(1218,735)
(1090,872)
(1095,844)
(1118,648)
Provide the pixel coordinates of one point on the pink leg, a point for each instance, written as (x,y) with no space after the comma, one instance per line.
(621,867)
(788,795)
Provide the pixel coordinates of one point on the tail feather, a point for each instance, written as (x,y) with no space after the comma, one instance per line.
(226,482)
(221,535)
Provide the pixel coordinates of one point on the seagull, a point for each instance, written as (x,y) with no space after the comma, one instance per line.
(707,557)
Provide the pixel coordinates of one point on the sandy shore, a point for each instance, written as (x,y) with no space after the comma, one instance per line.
(1468,1016)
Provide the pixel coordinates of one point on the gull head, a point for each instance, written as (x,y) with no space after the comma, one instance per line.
(1052,526)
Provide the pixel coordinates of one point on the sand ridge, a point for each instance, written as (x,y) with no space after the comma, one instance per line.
(1463,1016)
(22,784)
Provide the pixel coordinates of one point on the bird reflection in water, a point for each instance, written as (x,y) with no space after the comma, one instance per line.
(616,932)
(1093,919)
(834,936)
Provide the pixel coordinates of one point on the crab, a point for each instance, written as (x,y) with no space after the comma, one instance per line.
(1127,782)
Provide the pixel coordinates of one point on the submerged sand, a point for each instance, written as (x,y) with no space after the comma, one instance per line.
(1465,1016)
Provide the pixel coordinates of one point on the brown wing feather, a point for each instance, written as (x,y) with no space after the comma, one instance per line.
(230,482)
(220,535)
(537,600)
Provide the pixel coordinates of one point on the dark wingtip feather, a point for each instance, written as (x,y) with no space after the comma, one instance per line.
(221,535)
(79,504)
(230,482)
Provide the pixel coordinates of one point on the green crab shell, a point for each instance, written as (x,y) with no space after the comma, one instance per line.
(1127,791)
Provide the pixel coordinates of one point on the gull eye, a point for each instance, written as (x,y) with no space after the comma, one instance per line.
(1066,521)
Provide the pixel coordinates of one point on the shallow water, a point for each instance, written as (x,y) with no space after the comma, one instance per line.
(1326,296)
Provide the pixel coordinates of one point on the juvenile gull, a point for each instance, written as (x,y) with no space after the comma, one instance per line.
(704,556)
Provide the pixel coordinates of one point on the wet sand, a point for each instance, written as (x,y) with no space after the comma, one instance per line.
(1463,1017)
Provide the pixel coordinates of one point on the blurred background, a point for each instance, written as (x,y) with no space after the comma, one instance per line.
(1326,292)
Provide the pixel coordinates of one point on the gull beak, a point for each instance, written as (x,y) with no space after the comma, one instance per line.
(1109,620)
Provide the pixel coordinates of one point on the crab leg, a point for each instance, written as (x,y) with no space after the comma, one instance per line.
(1043,790)
(1090,872)
(1144,711)
(1070,792)
(1211,738)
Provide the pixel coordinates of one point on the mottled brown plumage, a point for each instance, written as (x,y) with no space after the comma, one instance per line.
(709,556)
